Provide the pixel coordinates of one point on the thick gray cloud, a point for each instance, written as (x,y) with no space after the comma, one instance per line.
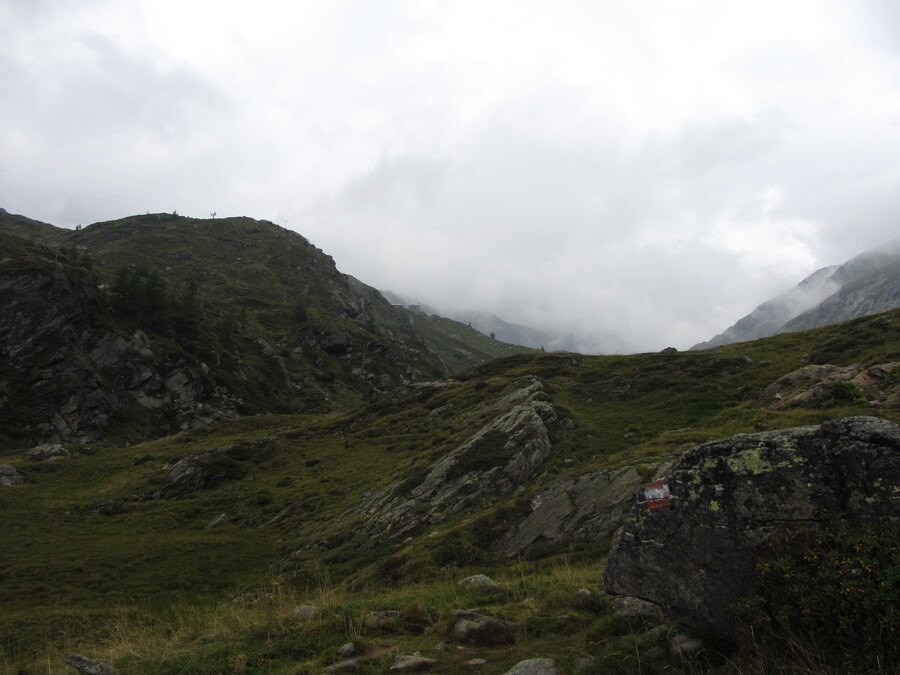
(631,175)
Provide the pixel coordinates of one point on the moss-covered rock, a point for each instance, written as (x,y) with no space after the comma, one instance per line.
(692,540)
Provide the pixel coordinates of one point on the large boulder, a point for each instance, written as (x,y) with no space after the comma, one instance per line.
(691,540)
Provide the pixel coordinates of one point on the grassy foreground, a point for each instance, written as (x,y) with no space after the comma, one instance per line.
(98,556)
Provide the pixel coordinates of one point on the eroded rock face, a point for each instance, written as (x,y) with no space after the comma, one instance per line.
(495,460)
(589,507)
(79,374)
(691,543)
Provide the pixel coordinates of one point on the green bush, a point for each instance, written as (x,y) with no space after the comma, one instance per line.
(832,594)
(840,392)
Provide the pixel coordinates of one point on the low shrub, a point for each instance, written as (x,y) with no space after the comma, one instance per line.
(829,596)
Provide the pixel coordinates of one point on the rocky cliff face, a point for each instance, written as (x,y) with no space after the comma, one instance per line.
(691,540)
(70,376)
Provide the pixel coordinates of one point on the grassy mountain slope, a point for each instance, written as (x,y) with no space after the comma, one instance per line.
(174,322)
(113,552)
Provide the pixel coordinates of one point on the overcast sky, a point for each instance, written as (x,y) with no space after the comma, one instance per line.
(637,173)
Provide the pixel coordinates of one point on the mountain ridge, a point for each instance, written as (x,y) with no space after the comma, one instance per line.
(206,317)
(866,284)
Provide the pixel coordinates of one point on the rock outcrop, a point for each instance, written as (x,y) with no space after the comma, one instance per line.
(589,507)
(495,460)
(691,540)
(77,374)
(813,383)
(9,476)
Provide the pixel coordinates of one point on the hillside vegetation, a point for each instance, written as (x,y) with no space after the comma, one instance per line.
(136,328)
(190,552)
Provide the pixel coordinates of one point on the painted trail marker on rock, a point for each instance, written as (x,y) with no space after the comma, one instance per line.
(657,494)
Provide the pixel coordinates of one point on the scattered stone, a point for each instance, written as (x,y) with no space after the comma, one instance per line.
(583,593)
(440,647)
(350,666)
(534,667)
(692,545)
(483,631)
(381,618)
(348,650)
(48,452)
(412,663)
(111,508)
(475,664)
(252,598)
(88,667)
(583,663)
(629,607)
(305,612)
(221,519)
(478,581)
(684,645)
(9,475)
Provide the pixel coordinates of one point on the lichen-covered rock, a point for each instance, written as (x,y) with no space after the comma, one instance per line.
(477,581)
(691,541)
(589,507)
(495,460)
(48,452)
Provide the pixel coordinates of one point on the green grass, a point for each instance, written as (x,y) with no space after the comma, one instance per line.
(150,586)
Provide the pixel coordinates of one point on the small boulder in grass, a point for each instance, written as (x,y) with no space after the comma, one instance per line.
(305,612)
(534,667)
(350,666)
(87,666)
(382,618)
(483,631)
(348,650)
(412,663)
(629,607)
(685,645)
(478,581)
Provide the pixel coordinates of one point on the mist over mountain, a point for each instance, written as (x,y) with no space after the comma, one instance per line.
(491,324)
(867,284)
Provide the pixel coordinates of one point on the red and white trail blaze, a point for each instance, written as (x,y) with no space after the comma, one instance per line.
(657,494)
